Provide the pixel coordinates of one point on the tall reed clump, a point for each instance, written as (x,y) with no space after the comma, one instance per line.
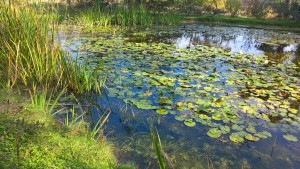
(29,54)
(124,15)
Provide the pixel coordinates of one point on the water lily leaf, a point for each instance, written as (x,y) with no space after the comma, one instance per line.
(214,133)
(204,117)
(263,134)
(251,129)
(250,137)
(294,111)
(208,88)
(237,127)
(162,111)
(189,122)
(179,104)
(248,109)
(290,138)
(217,116)
(181,117)
(225,129)
(236,138)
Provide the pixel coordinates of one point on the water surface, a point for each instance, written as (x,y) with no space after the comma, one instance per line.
(188,80)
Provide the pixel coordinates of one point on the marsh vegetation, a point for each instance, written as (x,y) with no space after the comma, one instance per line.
(123,85)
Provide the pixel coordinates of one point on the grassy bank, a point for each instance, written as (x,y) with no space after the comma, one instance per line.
(31,138)
(34,65)
(243,21)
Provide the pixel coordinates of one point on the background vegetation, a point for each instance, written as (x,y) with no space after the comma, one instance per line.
(284,9)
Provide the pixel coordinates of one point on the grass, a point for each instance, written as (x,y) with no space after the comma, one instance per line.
(244,21)
(31,62)
(28,56)
(97,14)
(32,139)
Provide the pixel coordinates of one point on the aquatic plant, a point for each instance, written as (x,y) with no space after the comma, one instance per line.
(132,15)
(214,87)
(29,54)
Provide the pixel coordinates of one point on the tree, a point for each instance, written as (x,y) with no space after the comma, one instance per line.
(233,6)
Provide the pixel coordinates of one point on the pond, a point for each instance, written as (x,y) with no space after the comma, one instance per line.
(219,97)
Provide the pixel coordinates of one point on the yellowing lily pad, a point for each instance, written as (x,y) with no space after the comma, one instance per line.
(250,137)
(217,116)
(162,111)
(290,138)
(236,138)
(208,88)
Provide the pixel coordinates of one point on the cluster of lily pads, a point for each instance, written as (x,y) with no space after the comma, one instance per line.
(237,96)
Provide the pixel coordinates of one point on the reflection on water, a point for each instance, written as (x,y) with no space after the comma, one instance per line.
(245,41)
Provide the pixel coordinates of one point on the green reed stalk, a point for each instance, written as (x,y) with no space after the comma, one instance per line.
(29,54)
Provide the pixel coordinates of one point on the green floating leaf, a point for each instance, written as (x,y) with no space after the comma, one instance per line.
(251,129)
(237,127)
(250,137)
(162,111)
(225,129)
(290,138)
(189,122)
(181,117)
(214,133)
(208,88)
(204,117)
(144,104)
(217,116)
(236,138)
(263,134)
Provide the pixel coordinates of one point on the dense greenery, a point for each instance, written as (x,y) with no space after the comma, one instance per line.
(29,57)
(156,76)
(31,138)
(285,9)
(282,24)
(31,61)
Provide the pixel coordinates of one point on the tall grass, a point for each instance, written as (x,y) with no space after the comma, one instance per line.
(29,54)
(122,15)
(80,76)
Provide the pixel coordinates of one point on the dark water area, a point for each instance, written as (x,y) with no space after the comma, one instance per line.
(129,130)
(191,79)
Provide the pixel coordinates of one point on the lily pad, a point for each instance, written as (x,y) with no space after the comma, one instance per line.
(189,122)
(237,127)
(236,138)
(214,133)
(263,134)
(225,129)
(290,138)
(250,137)
(162,111)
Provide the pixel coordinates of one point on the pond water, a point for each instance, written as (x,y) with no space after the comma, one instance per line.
(219,97)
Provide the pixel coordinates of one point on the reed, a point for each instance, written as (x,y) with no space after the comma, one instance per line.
(122,15)
(29,54)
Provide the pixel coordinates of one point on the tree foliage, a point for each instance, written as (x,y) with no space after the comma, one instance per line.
(233,6)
